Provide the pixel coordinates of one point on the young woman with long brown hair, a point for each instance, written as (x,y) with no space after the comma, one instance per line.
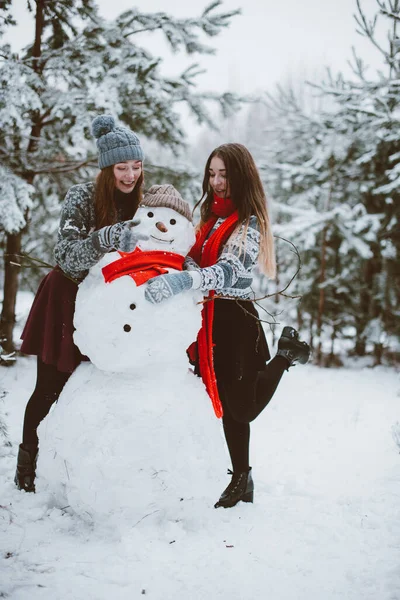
(234,236)
(96,217)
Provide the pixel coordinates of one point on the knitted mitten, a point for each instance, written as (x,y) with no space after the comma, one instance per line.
(164,286)
(120,236)
(190,264)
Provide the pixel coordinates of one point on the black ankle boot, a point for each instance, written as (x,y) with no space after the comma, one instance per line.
(26,467)
(240,488)
(291,348)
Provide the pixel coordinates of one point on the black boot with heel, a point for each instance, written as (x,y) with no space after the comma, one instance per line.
(241,488)
(291,348)
(26,467)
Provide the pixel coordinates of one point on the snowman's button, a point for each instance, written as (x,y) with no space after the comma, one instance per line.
(127,328)
(132,306)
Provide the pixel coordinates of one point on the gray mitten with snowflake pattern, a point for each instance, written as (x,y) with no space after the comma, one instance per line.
(121,236)
(164,286)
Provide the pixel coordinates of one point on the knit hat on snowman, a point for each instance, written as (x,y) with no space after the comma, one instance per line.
(167,196)
(167,242)
(115,143)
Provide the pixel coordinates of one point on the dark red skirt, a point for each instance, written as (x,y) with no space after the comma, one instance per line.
(49,328)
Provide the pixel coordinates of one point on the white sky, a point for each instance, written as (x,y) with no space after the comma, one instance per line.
(272,41)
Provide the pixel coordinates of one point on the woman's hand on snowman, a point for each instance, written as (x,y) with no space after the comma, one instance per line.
(190,264)
(121,236)
(164,286)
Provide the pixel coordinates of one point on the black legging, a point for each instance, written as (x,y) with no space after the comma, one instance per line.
(242,401)
(49,384)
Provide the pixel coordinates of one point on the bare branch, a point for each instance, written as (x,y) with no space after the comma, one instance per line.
(256,300)
(33,262)
(66,167)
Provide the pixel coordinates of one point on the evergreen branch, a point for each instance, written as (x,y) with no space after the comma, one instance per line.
(47,55)
(392,15)
(143,30)
(368,30)
(178,32)
(393,11)
(359,67)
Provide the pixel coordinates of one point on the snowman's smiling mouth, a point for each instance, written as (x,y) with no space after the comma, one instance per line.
(160,240)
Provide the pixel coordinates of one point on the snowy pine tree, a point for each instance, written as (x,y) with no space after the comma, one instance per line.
(334,173)
(78,66)
(369,109)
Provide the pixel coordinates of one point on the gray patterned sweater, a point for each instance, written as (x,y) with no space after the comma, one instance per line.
(78,247)
(232,274)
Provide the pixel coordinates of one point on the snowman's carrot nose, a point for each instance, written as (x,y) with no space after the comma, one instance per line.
(161,227)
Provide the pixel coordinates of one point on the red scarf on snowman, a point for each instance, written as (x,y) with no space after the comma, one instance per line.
(142,265)
(205,254)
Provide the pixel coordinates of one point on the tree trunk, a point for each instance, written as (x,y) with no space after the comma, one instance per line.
(322,276)
(13,245)
(321,303)
(331,357)
(11,272)
(300,320)
(336,321)
(311,335)
(368,308)
(277,296)
(378,353)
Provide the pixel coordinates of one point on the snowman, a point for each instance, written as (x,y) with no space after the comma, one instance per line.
(134,430)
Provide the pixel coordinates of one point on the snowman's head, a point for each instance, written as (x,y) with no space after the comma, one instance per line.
(119,330)
(166,219)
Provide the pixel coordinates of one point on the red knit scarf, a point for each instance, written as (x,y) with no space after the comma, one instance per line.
(205,257)
(222,207)
(142,266)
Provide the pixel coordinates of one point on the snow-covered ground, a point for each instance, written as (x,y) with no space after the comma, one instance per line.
(325,523)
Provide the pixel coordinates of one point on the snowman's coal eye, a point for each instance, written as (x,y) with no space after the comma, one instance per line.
(150,214)
(127,328)
(132,306)
(173,221)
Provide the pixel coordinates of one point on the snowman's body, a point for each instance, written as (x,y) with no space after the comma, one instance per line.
(134,430)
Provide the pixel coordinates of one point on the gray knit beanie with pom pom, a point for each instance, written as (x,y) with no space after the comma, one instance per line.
(115,144)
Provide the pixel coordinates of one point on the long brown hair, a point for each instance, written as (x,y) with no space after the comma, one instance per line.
(248,196)
(105,210)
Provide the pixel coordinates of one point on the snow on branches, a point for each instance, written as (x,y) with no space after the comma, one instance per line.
(15,200)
